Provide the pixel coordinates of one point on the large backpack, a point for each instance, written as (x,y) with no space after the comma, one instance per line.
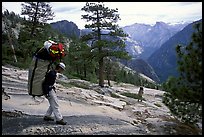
(55,50)
(42,62)
(37,72)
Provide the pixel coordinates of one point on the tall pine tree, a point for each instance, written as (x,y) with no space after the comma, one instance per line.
(184,94)
(106,36)
(37,12)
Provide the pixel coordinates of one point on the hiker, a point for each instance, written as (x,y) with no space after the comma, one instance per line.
(140,93)
(50,94)
(42,62)
(5,94)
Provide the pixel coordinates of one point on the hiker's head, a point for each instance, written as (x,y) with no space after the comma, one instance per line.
(60,67)
(141,88)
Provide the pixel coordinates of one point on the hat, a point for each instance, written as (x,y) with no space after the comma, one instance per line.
(62,65)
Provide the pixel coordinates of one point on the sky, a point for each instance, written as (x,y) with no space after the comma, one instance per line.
(129,12)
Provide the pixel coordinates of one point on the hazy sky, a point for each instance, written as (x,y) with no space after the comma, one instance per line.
(130,12)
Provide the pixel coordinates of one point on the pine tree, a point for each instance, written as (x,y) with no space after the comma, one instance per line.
(37,12)
(80,59)
(103,18)
(184,94)
(8,25)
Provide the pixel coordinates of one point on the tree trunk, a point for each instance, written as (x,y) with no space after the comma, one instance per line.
(10,41)
(9,34)
(108,72)
(84,70)
(108,77)
(12,47)
(101,72)
(101,63)
(77,69)
(34,21)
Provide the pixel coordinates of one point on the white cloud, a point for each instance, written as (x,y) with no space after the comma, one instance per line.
(70,7)
(130,12)
(150,12)
(12,6)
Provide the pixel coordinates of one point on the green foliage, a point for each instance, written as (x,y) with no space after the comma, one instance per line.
(92,77)
(103,18)
(7,57)
(81,60)
(38,13)
(121,75)
(24,45)
(184,94)
(7,54)
(116,73)
(29,47)
(80,85)
(22,63)
(12,17)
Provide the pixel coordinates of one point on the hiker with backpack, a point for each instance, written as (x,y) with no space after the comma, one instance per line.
(43,61)
(140,93)
(50,93)
(41,70)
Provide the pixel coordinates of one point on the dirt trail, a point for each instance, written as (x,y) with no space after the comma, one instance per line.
(86,111)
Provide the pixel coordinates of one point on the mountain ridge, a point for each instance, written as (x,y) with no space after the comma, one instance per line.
(66,27)
(164,59)
(151,37)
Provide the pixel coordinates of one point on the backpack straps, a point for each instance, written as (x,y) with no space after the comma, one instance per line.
(60,54)
(33,73)
(48,67)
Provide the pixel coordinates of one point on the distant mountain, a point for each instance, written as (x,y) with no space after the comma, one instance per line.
(150,38)
(141,66)
(134,49)
(85,31)
(70,29)
(164,60)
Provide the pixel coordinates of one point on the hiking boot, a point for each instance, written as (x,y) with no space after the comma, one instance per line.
(61,122)
(46,118)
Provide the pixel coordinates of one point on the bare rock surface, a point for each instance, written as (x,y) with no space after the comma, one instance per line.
(87,108)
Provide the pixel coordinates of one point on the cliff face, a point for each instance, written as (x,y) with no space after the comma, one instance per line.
(150,38)
(70,29)
(89,110)
(164,60)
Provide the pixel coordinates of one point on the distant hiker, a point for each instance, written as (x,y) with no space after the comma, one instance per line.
(6,96)
(50,94)
(42,62)
(140,93)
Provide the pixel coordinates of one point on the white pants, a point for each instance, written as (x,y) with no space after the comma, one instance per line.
(54,106)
